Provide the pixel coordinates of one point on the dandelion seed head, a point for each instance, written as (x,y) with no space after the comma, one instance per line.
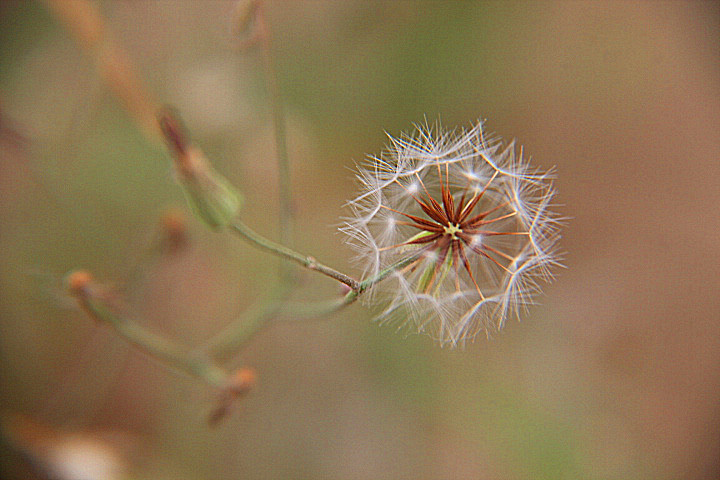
(467,222)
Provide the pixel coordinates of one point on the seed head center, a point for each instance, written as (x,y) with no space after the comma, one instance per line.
(451,229)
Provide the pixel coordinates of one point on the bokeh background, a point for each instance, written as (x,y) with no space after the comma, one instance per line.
(616,375)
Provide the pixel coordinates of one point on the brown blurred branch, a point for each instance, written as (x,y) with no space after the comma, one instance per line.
(83,20)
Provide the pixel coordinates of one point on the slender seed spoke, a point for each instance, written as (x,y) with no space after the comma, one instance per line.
(476,198)
(429,228)
(487,222)
(479,251)
(432,212)
(456,246)
(421,240)
(469,208)
(445,195)
(417,241)
(447,177)
(443,245)
(498,252)
(437,209)
(493,220)
(466,263)
(461,204)
(463,235)
(481,216)
(422,184)
(449,205)
(475,231)
(411,217)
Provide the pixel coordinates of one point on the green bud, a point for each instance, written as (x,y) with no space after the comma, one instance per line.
(210,195)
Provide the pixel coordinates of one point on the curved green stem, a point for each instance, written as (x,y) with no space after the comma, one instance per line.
(239,331)
(159,347)
(237,334)
(324,307)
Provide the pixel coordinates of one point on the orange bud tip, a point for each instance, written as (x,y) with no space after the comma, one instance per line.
(238,384)
(174,230)
(242,381)
(78,281)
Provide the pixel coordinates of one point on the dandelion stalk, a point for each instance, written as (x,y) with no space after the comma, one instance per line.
(306,261)
(239,332)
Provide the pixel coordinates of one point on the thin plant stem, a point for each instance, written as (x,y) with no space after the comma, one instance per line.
(230,340)
(306,261)
(356,287)
(161,348)
(278,117)
(239,332)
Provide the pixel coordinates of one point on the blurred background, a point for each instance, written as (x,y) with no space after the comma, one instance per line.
(616,375)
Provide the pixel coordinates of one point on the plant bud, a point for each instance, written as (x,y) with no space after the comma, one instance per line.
(210,195)
(174,232)
(238,385)
(77,282)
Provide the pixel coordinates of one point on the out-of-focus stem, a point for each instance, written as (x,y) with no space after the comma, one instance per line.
(161,348)
(240,330)
(83,20)
(237,334)
(278,117)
